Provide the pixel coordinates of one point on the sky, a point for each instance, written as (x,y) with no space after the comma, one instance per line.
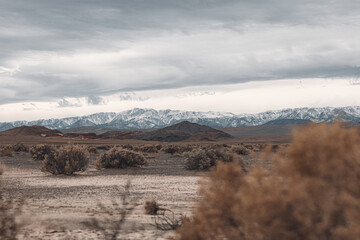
(76,57)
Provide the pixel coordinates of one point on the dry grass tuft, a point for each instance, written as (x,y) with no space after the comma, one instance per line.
(312,193)
(151,207)
(66,160)
(164,218)
(120,158)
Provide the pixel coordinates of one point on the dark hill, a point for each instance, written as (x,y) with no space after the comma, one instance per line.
(184,131)
(31,131)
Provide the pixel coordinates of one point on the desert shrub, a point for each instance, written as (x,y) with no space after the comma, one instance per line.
(92,150)
(203,159)
(127,146)
(40,151)
(241,150)
(198,160)
(312,193)
(66,160)
(103,147)
(177,149)
(171,149)
(149,149)
(7,151)
(20,147)
(120,158)
(158,147)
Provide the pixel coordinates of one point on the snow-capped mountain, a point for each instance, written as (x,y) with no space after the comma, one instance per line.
(150,118)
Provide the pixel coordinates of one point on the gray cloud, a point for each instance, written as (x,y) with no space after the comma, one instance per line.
(54,49)
(65,103)
(129,96)
(95,100)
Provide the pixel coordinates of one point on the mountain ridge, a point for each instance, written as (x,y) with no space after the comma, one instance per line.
(138,118)
(184,131)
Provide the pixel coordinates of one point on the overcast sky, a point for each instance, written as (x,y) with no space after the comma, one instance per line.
(74,57)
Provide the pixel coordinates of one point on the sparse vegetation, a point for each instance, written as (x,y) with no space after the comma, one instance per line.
(40,151)
(103,147)
(20,147)
(241,150)
(151,207)
(203,159)
(66,160)
(120,158)
(92,150)
(149,149)
(177,149)
(312,193)
(164,219)
(116,215)
(7,151)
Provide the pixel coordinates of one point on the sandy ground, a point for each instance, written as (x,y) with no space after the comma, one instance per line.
(56,207)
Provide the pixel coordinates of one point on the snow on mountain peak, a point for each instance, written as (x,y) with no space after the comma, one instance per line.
(139,118)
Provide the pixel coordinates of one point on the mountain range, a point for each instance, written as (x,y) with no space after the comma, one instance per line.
(149,118)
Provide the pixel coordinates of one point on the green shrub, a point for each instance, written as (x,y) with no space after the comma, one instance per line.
(120,158)
(313,192)
(66,160)
(40,151)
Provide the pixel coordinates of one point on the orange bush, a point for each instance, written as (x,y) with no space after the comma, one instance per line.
(312,193)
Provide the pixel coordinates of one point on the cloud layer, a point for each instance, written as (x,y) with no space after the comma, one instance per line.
(52,50)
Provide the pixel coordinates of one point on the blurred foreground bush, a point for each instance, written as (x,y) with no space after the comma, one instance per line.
(9,213)
(312,193)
